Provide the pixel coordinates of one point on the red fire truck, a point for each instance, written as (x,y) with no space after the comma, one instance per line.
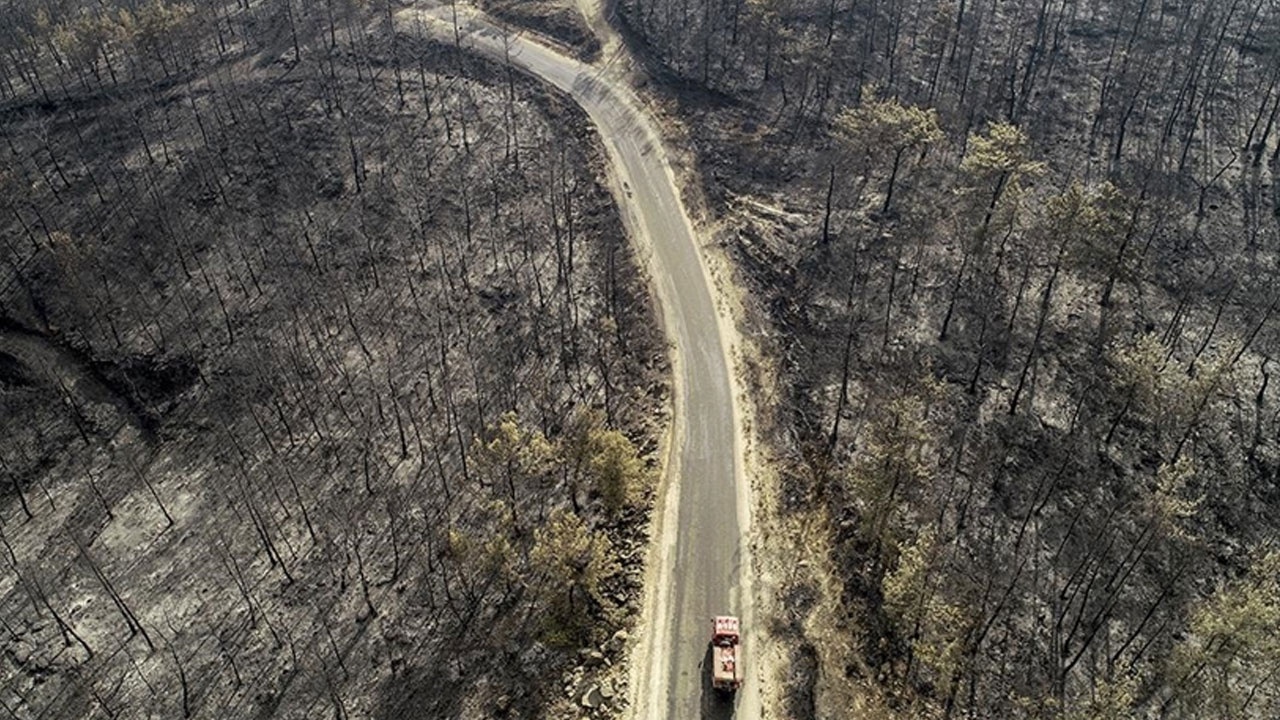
(726,666)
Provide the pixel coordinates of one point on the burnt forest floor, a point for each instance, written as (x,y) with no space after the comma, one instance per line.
(331,385)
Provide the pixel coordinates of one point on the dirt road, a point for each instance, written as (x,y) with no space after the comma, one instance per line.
(702,517)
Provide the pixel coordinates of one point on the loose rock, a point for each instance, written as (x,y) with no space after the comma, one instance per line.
(592,698)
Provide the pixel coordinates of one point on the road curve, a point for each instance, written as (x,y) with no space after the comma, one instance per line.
(701,523)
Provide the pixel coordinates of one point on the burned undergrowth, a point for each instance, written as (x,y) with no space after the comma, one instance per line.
(1020,264)
(389,369)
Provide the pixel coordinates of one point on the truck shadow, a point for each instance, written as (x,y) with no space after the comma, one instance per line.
(715,705)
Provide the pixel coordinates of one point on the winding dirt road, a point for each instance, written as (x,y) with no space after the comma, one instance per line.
(699,565)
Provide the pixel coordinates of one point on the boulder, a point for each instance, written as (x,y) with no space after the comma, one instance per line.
(615,643)
(22,652)
(592,698)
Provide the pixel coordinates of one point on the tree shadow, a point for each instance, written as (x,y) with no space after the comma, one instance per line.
(716,705)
